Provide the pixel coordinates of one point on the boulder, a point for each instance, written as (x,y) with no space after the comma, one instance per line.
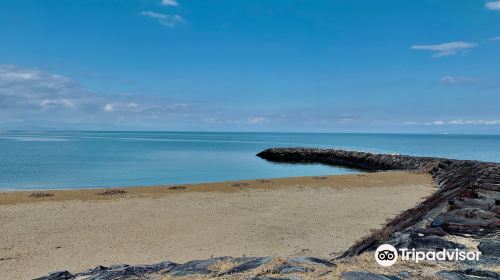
(468,221)
(313,261)
(288,268)
(57,275)
(274,278)
(490,247)
(248,265)
(361,275)
(195,267)
(468,274)
(483,204)
(434,243)
(437,231)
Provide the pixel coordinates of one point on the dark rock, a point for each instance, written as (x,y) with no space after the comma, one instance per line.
(495,209)
(438,222)
(95,270)
(162,266)
(483,204)
(195,267)
(400,239)
(361,275)
(288,268)
(123,271)
(58,275)
(488,194)
(434,243)
(437,231)
(274,278)
(248,265)
(313,261)
(111,192)
(177,188)
(468,274)
(468,221)
(240,184)
(405,275)
(41,194)
(490,247)
(118,266)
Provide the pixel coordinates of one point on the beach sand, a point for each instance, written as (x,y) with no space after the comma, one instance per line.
(313,216)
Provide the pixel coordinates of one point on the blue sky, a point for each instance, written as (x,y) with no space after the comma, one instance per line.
(325,66)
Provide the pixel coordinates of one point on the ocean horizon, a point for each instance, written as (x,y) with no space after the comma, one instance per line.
(100,159)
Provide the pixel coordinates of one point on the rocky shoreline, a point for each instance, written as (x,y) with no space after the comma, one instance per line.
(466,205)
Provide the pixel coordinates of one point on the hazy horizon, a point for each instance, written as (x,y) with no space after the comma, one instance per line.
(235,131)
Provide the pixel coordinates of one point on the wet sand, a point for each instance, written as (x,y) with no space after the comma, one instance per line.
(314,216)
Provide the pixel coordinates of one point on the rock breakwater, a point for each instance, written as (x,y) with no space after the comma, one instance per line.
(466,203)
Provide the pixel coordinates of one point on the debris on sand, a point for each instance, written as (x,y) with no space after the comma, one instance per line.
(265,181)
(111,192)
(177,188)
(240,184)
(41,194)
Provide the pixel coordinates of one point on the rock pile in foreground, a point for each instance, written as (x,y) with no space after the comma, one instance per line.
(466,206)
(221,267)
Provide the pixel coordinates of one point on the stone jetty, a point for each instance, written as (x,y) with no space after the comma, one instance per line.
(467,201)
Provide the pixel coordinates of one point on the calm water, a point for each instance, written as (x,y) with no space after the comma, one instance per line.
(30,160)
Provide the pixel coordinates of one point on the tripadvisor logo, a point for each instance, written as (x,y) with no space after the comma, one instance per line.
(387,255)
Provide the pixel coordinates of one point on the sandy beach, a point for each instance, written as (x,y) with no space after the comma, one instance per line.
(314,216)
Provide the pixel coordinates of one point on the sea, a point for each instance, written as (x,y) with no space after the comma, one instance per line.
(94,159)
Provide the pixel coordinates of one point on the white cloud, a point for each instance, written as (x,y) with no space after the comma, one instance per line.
(451,80)
(497,38)
(64,102)
(7,75)
(494,5)
(180,105)
(32,88)
(169,3)
(257,120)
(11,75)
(164,19)
(34,95)
(474,122)
(223,118)
(109,108)
(132,105)
(35,98)
(446,49)
(456,122)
